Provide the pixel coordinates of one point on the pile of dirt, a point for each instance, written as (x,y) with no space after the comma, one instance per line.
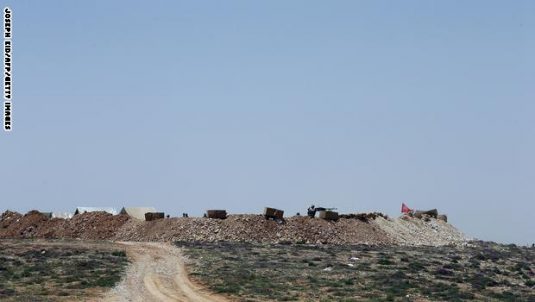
(408,230)
(364,216)
(254,228)
(95,225)
(359,229)
(15,225)
(7,218)
(371,228)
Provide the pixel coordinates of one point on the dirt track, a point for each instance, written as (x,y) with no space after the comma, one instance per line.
(157,273)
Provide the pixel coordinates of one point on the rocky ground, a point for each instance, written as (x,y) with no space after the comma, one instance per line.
(358,229)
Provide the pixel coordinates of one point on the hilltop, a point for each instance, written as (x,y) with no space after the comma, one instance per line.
(372,229)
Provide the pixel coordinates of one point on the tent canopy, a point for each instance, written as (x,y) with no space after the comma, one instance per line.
(137,212)
(81,210)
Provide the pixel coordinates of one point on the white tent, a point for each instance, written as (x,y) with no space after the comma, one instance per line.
(137,212)
(64,215)
(81,210)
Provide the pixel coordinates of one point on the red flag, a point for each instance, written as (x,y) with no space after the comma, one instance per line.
(405,209)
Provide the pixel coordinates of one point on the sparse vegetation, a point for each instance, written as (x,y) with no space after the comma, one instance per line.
(57,270)
(252,272)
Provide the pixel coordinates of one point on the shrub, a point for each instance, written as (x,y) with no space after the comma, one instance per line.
(385,261)
(119,253)
(444,272)
(480,282)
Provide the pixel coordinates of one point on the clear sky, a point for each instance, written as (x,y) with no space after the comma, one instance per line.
(358,105)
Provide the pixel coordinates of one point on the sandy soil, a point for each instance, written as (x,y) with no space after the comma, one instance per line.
(157,273)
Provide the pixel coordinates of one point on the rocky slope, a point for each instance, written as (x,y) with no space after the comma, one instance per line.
(239,228)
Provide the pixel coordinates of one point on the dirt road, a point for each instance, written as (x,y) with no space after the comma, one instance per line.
(157,273)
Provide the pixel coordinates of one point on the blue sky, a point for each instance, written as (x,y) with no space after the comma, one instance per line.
(358,105)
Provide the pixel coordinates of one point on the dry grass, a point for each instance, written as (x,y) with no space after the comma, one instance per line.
(484,271)
(57,270)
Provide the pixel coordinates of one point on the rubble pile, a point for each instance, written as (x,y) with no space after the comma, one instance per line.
(91,225)
(254,228)
(94,225)
(7,218)
(365,217)
(365,228)
(408,230)
(15,225)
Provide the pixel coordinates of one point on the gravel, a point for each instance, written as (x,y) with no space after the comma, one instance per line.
(374,230)
(254,228)
(414,231)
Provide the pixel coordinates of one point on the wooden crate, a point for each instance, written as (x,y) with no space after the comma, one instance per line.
(273,213)
(217,214)
(150,216)
(329,215)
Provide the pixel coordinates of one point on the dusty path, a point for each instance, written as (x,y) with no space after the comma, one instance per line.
(157,273)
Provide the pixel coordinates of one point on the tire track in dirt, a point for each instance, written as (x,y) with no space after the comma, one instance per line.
(157,273)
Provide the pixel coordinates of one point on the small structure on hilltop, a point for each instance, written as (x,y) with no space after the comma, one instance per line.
(312,210)
(63,215)
(329,215)
(81,210)
(275,214)
(425,215)
(150,216)
(430,213)
(217,214)
(47,214)
(443,217)
(137,212)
